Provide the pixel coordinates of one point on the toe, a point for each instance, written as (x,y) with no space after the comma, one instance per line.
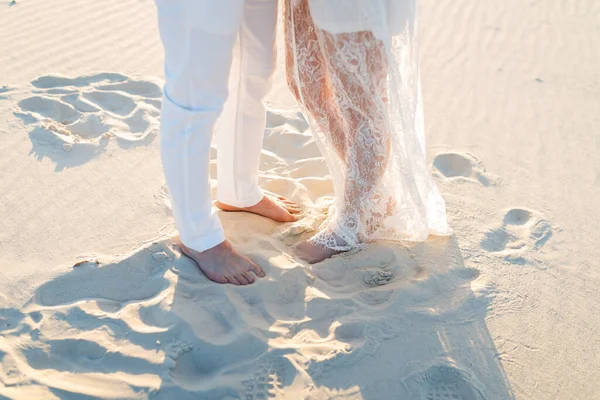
(218,279)
(287,217)
(234,280)
(242,279)
(293,210)
(249,277)
(257,270)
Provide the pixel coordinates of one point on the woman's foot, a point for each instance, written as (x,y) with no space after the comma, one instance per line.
(277,208)
(313,253)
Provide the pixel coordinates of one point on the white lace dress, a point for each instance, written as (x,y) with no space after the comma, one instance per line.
(353,67)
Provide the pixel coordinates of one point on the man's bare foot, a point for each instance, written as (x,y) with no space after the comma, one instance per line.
(277,208)
(222,264)
(313,254)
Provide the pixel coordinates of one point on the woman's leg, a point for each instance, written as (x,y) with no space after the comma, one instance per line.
(308,80)
(357,71)
(357,68)
(307,75)
(340,82)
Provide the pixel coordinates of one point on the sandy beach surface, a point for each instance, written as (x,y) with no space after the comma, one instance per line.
(98,302)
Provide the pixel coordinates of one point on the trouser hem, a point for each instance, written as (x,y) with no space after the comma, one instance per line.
(254,198)
(205,242)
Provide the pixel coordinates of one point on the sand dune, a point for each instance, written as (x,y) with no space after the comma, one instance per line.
(98,302)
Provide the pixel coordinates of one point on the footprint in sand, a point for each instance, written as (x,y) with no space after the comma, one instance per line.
(10,373)
(287,299)
(175,351)
(81,114)
(269,378)
(462,166)
(374,278)
(443,382)
(354,342)
(520,231)
(193,364)
(136,278)
(83,355)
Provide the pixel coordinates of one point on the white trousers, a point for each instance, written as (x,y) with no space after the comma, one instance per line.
(199,37)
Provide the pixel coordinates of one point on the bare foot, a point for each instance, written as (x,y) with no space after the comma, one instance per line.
(277,208)
(313,254)
(222,264)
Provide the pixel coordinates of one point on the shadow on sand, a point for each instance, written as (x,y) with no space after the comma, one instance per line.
(387,322)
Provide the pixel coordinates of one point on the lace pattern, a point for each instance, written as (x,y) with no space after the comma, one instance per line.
(361,94)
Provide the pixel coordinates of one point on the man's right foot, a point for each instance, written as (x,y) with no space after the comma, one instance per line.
(222,264)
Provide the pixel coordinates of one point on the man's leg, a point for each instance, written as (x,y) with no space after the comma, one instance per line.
(240,140)
(197,64)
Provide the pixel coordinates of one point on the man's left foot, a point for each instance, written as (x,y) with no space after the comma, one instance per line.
(277,208)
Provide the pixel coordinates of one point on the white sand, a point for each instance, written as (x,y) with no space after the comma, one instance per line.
(506,309)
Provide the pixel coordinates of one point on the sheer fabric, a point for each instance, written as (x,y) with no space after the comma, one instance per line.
(353,67)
